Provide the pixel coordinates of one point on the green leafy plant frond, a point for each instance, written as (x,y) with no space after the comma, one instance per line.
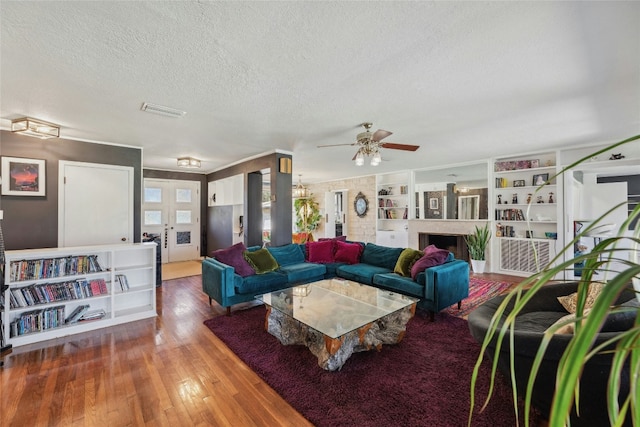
(610,258)
(477,242)
(307,214)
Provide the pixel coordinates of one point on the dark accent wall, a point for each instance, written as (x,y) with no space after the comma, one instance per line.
(32,222)
(188,176)
(219,218)
(281,203)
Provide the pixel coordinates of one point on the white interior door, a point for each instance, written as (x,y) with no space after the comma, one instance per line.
(95,204)
(330,214)
(172,209)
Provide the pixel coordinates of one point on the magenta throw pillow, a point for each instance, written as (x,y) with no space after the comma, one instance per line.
(347,252)
(320,252)
(233,256)
(430,259)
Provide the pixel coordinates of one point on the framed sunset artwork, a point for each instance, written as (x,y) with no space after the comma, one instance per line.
(23,177)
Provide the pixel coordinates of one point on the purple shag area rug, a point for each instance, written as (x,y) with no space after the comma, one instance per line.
(422,381)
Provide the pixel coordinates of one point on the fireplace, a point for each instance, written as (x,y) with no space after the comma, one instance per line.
(452,242)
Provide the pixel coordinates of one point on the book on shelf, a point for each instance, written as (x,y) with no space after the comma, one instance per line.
(93,315)
(38,320)
(509,215)
(123,282)
(77,313)
(35,269)
(27,296)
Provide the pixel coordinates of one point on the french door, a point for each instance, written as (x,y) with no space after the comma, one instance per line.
(171,209)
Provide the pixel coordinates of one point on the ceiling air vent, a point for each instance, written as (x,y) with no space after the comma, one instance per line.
(162,110)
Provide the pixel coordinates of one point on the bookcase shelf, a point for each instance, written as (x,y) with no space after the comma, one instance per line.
(56,292)
(525,214)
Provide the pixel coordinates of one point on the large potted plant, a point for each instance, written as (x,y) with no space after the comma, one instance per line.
(615,259)
(307,216)
(477,244)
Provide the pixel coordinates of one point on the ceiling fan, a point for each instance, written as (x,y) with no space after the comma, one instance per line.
(369,144)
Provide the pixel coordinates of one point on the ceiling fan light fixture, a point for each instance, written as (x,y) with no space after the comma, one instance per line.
(188,162)
(376,159)
(359,158)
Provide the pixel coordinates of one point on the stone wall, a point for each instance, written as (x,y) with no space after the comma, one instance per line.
(357,229)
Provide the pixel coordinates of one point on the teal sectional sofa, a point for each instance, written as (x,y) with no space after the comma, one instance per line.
(437,287)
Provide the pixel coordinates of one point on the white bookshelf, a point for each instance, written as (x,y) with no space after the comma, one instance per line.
(40,319)
(523,219)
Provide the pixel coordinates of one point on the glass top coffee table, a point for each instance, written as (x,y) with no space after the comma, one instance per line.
(335,318)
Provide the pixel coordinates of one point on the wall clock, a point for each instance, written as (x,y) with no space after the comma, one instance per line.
(361,205)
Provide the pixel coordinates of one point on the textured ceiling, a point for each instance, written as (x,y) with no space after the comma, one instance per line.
(463,80)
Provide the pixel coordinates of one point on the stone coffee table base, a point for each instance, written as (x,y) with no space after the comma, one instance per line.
(332,353)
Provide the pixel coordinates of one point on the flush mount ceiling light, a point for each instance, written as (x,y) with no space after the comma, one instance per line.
(32,127)
(300,191)
(162,110)
(188,162)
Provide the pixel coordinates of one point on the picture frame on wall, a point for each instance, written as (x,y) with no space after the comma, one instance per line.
(539,179)
(23,176)
(433,203)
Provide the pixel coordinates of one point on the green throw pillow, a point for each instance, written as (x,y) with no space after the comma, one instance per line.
(407,258)
(261,260)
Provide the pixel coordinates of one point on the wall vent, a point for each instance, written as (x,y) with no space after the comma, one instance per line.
(162,110)
(518,255)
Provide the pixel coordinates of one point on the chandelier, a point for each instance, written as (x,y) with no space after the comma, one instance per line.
(300,191)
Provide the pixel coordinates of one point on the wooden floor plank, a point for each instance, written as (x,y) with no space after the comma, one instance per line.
(166,371)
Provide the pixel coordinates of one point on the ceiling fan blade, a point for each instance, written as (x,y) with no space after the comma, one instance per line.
(394,146)
(380,134)
(335,145)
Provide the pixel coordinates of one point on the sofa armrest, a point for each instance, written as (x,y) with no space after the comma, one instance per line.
(218,280)
(447,283)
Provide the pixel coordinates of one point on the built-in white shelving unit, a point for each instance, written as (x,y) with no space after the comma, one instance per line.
(525,215)
(392,204)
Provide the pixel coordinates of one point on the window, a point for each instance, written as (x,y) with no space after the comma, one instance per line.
(152,195)
(152,217)
(183,195)
(183,217)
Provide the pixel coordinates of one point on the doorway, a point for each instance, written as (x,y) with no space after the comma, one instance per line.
(171,210)
(95,205)
(335,213)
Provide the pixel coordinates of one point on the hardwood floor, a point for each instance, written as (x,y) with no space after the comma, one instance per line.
(170,370)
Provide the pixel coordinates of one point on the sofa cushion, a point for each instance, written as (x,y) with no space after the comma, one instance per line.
(398,283)
(407,258)
(333,239)
(320,252)
(262,283)
(616,322)
(380,256)
(233,256)
(570,302)
(332,268)
(261,260)
(430,258)
(287,254)
(303,272)
(537,321)
(362,273)
(347,252)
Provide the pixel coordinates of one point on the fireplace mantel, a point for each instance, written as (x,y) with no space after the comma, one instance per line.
(444,227)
